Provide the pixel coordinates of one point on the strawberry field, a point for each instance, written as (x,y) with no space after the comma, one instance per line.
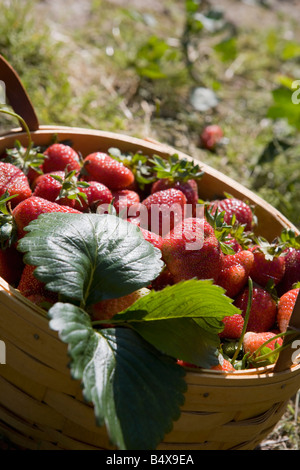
(210,80)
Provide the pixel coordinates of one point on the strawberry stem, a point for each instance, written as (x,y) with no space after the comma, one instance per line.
(253,357)
(246,318)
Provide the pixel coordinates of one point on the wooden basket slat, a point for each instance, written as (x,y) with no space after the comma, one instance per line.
(37,372)
(27,407)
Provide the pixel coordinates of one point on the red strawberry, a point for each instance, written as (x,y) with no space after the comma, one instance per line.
(14,181)
(263,310)
(101,167)
(96,194)
(29,285)
(191,249)
(165,210)
(182,363)
(106,309)
(124,199)
(189,188)
(252,341)
(234,207)
(164,279)
(292,270)
(211,136)
(233,326)
(224,365)
(60,157)
(178,173)
(286,305)
(48,187)
(31,208)
(264,269)
(152,238)
(11,265)
(235,271)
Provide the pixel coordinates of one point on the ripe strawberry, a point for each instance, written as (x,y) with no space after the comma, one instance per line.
(234,207)
(263,309)
(152,238)
(31,208)
(106,309)
(164,279)
(30,286)
(252,341)
(60,157)
(14,182)
(48,187)
(224,365)
(233,326)
(11,265)
(124,199)
(182,363)
(235,271)
(165,210)
(178,173)
(265,269)
(211,136)
(101,167)
(96,194)
(292,270)
(286,305)
(191,249)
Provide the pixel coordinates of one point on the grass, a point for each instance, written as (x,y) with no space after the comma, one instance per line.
(121,68)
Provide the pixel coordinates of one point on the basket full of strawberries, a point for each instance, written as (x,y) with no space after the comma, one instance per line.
(147,300)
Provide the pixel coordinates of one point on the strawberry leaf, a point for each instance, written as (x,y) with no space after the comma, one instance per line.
(89,257)
(136,391)
(182,320)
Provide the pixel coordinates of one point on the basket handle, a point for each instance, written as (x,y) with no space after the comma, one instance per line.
(291,341)
(17,95)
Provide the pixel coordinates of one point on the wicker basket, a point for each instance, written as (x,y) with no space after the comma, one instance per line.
(41,407)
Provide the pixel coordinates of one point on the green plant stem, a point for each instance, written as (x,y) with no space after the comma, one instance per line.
(23,123)
(249,305)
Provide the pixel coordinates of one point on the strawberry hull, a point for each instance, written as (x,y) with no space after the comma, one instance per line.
(42,407)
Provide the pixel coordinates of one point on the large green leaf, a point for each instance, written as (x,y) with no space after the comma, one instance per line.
(183,320)
(137,392)
(89,257)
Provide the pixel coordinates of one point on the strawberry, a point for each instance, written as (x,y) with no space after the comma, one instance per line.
(164,279)
(14,182)
(191,249)
(29,160)
(177,173)
(49,186)
(235,271)
(266,267)
(59,157)
(124,199)
(286,305)
(11,265)
(224,365)
(234,207)
(99,166)
(252,341)
(263,309)
(31,208)
(106,309)
(165,210)
(292,270)
(211,136)
(152,237)
(233,326)
(29,286)
(92,196)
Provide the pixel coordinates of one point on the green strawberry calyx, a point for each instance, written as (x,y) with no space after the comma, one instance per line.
(8,228)
(175,169)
